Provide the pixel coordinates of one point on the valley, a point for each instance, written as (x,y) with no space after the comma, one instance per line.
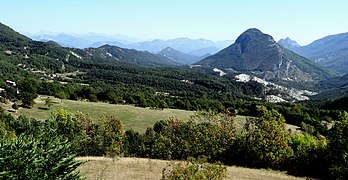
(253,103)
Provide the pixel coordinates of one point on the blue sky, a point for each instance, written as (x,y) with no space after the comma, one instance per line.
(301,20)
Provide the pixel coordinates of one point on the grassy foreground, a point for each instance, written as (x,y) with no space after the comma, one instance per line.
(141,168)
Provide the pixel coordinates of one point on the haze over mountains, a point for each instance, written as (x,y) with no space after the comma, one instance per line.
(196,47)
(178,56)
(330,51)
(253,53)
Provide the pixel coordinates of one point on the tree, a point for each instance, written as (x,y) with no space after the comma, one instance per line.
(265,140)
(64,123)
(162,104)
(338,148)
(28,99)
(108,136)
(28,92)
(308,158)
(15,106)
(42,157)
(48,102)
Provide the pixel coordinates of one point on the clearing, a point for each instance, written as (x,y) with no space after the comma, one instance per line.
(132,117)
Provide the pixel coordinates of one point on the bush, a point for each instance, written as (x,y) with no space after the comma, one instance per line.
(108,136)
(206,134)
(193,170)
(309,155)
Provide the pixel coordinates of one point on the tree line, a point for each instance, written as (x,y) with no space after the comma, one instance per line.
(263,142)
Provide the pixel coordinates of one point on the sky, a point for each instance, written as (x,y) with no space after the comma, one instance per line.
(301,20)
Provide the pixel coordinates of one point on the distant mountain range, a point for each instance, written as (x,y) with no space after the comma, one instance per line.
(257,53)
(178,56)
(196,47)
(143,58)
(80,40)
(33,54)
(330,51)
(254,53)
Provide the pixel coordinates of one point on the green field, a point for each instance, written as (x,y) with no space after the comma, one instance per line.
(132,117)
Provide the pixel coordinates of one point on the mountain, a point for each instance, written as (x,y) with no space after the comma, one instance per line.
(289,44)
(8,35)
(333,83)
(196,47)
(178,56)
(81,40)
(204,51)
(111,43)
(257,53)
(185,45)
(37,55)
(333,88)
(118,54)
(330,51)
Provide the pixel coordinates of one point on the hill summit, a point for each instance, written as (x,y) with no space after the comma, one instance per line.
(288,43)
(257,53)
(178,56)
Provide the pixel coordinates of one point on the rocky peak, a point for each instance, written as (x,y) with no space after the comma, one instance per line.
(252,37)
(288,43)
(257,53)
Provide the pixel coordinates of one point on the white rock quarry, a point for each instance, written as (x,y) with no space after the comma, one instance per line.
(195,65)
(109,54)
(284,92)
(76,55)
(274,99)
(219,71)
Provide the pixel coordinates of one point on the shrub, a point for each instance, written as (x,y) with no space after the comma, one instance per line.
(108,136)
(193,170)
(206,134)
(309,155)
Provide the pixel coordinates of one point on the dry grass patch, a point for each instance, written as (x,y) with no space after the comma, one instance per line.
(123,168)
(141,168)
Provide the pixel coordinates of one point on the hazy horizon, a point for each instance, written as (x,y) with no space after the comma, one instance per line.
(302,21)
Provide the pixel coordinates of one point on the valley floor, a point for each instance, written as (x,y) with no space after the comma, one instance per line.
(142,168)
